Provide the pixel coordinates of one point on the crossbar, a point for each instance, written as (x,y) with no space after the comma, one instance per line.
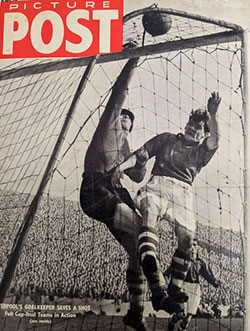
(169,46)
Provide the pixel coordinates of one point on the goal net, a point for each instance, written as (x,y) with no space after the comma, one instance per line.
(65,253)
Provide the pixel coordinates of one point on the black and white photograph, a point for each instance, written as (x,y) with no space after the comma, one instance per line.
(124,177)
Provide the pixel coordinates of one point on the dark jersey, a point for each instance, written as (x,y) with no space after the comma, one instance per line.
(174,158)
(200,268)
(108,148)
(109,145)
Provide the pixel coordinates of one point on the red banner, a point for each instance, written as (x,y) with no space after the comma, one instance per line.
(75,28)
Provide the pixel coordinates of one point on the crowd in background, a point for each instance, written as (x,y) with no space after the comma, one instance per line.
(69,255)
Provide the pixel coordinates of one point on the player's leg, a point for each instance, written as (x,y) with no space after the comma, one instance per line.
(182,206)
(125,228)
(126,219)
(96,199)
(136,283)
(185,322)
(181,262)
(175,318)
(150,205)
(99,202)
(148,241)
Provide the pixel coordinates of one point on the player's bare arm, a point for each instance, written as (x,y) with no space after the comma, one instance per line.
(119,91)
(212,107)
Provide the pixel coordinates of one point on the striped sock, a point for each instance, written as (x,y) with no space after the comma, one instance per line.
(136,283)
(148,241)
(181,262)
(156,282)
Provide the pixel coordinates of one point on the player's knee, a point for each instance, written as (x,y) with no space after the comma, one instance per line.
(149,212)
(185,244)
(126,220)
(185,238)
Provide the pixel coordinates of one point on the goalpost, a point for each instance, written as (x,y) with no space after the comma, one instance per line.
(49,111)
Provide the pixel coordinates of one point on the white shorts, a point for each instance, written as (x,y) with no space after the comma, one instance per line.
(194,296)
(173,197)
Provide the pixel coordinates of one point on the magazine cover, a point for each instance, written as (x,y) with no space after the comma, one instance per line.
(124,165)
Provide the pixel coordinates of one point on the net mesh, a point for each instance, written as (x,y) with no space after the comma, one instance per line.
(67,254)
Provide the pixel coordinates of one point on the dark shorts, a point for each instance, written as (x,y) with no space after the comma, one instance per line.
(98,198)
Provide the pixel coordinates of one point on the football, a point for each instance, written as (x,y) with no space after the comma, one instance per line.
(156,23)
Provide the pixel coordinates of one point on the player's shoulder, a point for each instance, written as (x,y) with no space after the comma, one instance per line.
(167,136)
(160,140)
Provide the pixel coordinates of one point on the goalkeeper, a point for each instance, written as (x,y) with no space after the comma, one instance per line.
(114,207)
